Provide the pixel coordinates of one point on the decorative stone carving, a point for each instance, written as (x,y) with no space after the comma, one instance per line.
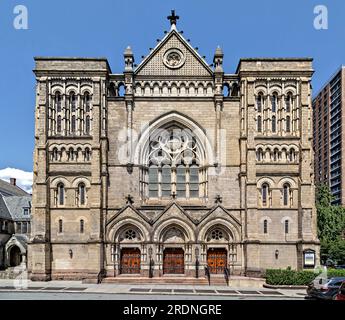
(174,58)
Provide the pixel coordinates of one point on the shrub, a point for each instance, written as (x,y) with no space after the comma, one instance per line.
(289,277)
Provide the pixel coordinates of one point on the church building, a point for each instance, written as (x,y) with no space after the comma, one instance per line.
(172,167)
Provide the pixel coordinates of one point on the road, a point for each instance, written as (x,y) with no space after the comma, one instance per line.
(17,295)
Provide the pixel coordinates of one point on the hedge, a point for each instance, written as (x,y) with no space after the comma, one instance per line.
(297,278)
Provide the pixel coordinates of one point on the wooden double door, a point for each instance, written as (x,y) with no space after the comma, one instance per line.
(173,261)
(217,260)
(130,261)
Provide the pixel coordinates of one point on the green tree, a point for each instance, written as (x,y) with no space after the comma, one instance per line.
(331,226)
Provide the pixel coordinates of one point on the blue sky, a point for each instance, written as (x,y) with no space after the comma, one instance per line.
(103,28)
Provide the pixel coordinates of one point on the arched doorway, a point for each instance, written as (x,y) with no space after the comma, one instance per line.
(15,256)
(217,260)
(130,261)
(173,261)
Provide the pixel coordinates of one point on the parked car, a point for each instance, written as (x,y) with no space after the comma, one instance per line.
(341,293)
(340,266)
(325,289)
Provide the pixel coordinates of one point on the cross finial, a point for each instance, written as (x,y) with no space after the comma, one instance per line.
(173,18)
(218,199)
(129,200)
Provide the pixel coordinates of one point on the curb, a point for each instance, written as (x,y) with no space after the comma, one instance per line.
(270,286)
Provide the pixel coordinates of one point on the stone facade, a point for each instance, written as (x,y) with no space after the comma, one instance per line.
(188,161)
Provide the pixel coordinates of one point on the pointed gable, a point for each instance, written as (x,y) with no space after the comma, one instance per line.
(155,63)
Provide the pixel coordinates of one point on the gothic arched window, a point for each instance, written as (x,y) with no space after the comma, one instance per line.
(73,124)
(286,226)
(58,101)
(87,102)
(274,124)
(87,125)
(265,226)
(58,125)
(81,226)
(274,100)
(82,194)
(60,226)
(73,101)
(259,102)
(265,194)
(174,165)
(61,194)
(259,124)
(286,194)
(288,124)
(288,102)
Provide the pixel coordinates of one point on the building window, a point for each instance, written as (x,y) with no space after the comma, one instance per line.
(73,124)
(58,102)
(286,226)
(73,101)
(288,102)
(274,100)
(61,194)
(259,101)
(265,226)
(26,211)
(288,124)
(81,226)
(174,166)
(286,194)
(274,124)
(217,234)
(87,154)
(130,234)
(25,228)
(87,102)
(58,126)
(60,226)
(82,194)
(259,124)
(87,125)
(264,194)
(18,227)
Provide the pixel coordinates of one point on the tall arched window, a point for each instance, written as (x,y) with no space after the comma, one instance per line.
(87,125)
(58,125)
(70,154)
(87,102)
(58,100)
(174,165)
(82,194)
(288,124)
(259,102)
(60,226)
(259,124)
(73,124)
(87,154)
(286,226)
(61,194)
(274,124)
(81,226)
(265,226)
(274,100)
(265,194)
(288,102)
(286,194)
(73,101)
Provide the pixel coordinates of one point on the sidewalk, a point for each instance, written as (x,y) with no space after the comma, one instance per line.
(146,289)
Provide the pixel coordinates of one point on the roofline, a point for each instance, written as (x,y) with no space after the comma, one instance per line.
(41,58)
(274,59)
(325,84)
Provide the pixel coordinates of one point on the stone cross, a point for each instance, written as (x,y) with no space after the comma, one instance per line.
(129,199)
(218,199)
(173,18)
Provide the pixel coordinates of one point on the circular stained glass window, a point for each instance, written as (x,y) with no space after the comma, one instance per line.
(174,58)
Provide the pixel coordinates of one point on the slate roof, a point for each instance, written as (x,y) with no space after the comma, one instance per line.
(4,212)
(7,189)
(16,205)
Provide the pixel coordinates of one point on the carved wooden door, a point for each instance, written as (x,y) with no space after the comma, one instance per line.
(217,260)
(173,261)
(130,261)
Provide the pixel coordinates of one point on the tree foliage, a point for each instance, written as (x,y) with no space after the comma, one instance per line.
(331,226)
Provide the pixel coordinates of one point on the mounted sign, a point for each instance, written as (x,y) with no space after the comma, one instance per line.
(309,258)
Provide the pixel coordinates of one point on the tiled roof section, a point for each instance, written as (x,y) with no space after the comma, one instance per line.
(4,212)
(16,207)
(7,189)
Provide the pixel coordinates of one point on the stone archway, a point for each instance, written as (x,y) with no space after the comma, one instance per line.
(15,257)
